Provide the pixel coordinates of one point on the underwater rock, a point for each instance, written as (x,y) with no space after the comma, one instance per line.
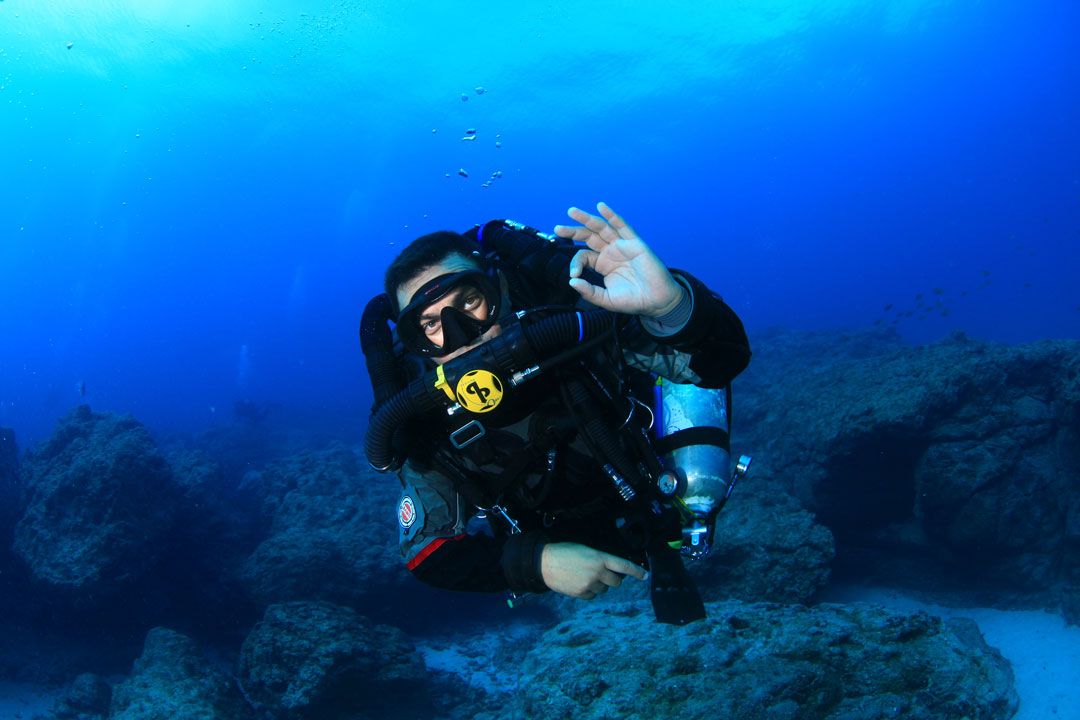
(87,698)
(218,526)
(100,503)
(318,660)
(949,464)
(9,485)
(332,535)
(767,548)
(248,443)
(763,661)
(172,681)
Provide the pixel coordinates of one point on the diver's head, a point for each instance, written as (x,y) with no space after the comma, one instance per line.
(445,300)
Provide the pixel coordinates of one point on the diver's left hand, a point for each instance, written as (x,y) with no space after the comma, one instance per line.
(635,281)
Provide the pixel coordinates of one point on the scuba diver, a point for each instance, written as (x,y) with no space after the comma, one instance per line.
(515,400)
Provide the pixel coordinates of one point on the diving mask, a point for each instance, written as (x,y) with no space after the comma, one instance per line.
(459,327)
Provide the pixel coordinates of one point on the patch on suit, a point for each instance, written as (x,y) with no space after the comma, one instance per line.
(406,513)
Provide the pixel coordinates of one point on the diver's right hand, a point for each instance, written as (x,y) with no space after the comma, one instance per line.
(582,572)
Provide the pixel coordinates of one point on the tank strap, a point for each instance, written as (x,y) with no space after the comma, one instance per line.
(703,435)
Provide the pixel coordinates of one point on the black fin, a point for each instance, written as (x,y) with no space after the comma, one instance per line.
(675,598)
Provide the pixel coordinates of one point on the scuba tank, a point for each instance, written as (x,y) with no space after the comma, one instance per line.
(693,431)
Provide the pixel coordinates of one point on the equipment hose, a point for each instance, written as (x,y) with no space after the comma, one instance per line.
(546,337)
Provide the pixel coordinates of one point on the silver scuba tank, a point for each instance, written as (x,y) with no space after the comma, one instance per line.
(694,440)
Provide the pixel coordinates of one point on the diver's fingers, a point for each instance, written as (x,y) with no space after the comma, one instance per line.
(610,579)
(598,225)
(582,234)
(615,220)
(585,595)
(574,232)
(582,259)
(596,587)
(623,566)
(594,294)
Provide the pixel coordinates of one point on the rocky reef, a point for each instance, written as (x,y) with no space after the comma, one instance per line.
(951,469)
(952,466)
(330,534)
(171,680)
(99,506)
(9,483)
(318,660)
(10,494)
(314,660)
(758,660)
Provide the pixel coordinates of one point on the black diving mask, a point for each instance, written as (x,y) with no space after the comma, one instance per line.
(459,328)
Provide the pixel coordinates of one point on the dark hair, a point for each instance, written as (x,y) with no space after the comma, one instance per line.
(423,252)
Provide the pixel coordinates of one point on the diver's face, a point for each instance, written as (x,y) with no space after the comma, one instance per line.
(466,298)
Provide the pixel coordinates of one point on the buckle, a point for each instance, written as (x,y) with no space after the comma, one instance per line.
(474,427)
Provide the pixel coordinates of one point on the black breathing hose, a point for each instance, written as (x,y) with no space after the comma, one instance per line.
(598,433)
(557,332)
(545,338)
(390,416)
(377,343)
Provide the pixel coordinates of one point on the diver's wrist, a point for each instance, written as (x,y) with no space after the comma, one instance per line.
(673,315)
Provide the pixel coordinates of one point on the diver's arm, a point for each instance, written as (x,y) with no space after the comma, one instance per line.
(701,342)
(712,335)
(582,572)
(709,349)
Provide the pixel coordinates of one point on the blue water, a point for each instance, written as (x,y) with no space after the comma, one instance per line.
(197,198)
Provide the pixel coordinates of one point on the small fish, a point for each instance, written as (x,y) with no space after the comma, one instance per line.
(470,131)
(70,45)
(918,296)
(479,90)
(963,293)
(986,273)
(939,291)
(888,307)
(464,97)
(469,138)
(463,173)
(80,387)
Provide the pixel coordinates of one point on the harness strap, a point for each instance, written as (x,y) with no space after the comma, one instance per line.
(702,435)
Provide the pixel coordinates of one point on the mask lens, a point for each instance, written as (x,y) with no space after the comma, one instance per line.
(458,326)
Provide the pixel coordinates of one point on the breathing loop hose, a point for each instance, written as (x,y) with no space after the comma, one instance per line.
(377,343)
(546,338)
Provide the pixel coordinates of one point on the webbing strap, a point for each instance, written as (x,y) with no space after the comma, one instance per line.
(704,435)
